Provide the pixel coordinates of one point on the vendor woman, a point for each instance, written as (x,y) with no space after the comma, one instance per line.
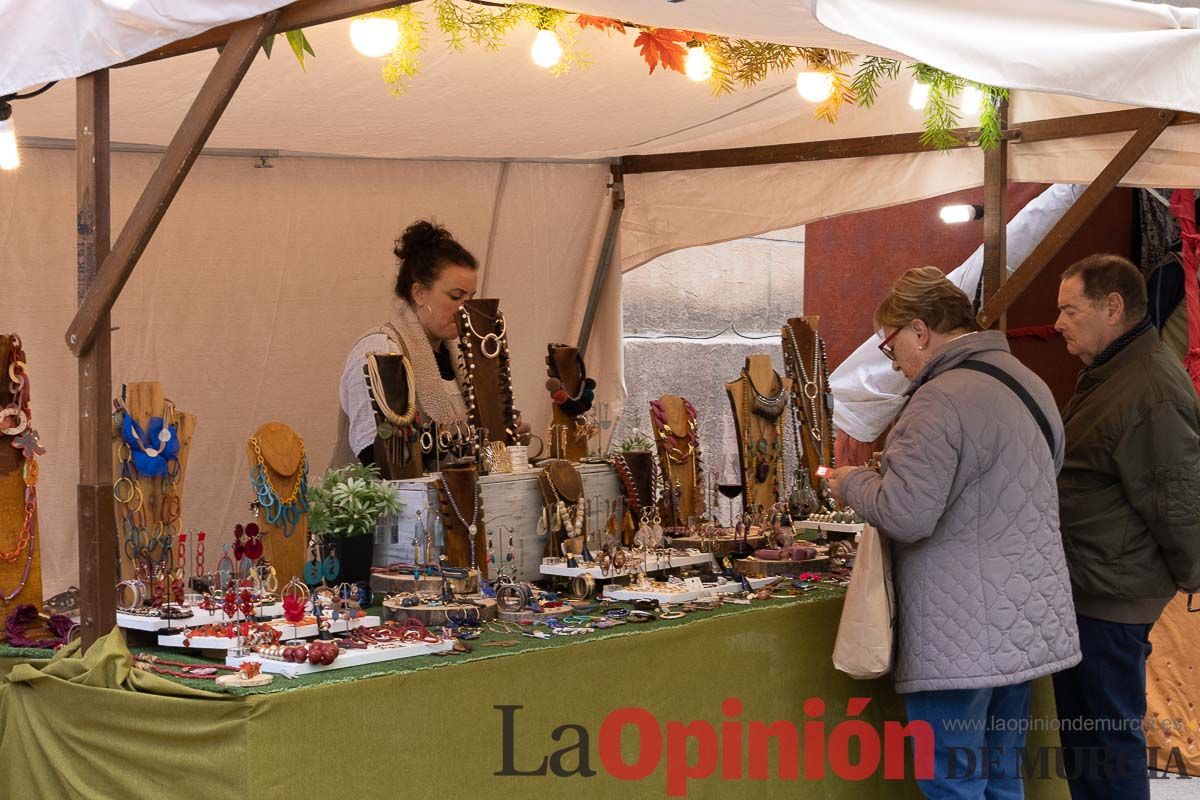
(437,275)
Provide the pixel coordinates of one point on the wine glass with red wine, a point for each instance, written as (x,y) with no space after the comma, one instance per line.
(730,483)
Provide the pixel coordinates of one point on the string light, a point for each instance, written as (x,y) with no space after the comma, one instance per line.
(952,215)
(919,96)
(547,51)
(10,158)
(699,65)
(374,37)
(814,86)
(972,101)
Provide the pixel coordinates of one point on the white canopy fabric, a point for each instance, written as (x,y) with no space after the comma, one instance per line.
(259,279)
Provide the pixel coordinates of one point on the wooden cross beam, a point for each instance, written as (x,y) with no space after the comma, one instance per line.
(892,144)
(1076,215)
(176,162)
(301,14)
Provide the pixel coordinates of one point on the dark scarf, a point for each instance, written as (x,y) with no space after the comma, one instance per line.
(1120,342)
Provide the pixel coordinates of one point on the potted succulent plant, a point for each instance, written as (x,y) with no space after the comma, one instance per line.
(345,505)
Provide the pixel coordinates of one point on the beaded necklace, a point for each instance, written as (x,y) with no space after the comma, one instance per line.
(470,527)
(571,405)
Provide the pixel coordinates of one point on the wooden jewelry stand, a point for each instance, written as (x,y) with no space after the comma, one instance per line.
(282,451)
(390,451)
(641,473)
(802,331)
(457,489)
(763,493)
(12,511)
(145,401)
(483,347)
(559,480)
(562,363)
(686,475)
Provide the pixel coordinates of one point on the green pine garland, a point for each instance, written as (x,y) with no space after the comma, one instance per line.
(735,61)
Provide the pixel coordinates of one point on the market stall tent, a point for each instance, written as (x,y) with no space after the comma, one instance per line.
(276,253)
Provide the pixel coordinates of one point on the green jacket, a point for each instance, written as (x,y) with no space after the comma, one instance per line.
(1129,489)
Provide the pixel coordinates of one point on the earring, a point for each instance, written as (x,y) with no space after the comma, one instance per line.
(430,310)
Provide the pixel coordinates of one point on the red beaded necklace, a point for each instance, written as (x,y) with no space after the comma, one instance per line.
(670,438)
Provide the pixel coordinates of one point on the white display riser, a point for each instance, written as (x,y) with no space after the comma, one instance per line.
(347,658)
(632,568)
(512,500)
(668,598)
(288,630)
(833,527)
(136,622)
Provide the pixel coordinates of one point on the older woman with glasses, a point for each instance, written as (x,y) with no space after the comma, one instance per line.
(966,494)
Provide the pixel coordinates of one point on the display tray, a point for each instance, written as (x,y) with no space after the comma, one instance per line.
(632,568)
(136,622)
(347,658)
(760,566)
(289,631)
(667,598)
(725,545)
(836,527)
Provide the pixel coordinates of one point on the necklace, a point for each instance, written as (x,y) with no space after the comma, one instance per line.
(495,337)
(670,439)
(769,406)
(283,513)
(152,663)
(571,405)
(25,439)
(470,527)
(628,483)
(402,420)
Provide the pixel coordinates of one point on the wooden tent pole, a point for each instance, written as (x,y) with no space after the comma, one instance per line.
(97,525)
(193,132)
(1076,215)
(995,211)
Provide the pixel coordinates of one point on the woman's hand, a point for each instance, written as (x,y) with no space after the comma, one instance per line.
(835,479)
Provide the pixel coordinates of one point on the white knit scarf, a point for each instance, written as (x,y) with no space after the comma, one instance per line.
(438,399)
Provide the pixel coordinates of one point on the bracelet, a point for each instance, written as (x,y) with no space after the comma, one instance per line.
(616,613)
(670,615)
(640,616)
(138,590)
(583,586)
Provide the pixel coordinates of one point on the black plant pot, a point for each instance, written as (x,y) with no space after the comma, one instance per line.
(354,554)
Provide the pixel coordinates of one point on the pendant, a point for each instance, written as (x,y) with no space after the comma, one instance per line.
(762,445)
(760,472)
(385,431)
(471,529)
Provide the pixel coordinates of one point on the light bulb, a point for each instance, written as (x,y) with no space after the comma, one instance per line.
(972,101)
(815,87)
(374,37)
(9,157)
(955,214)
(698,65)
(919,96)
(547,50)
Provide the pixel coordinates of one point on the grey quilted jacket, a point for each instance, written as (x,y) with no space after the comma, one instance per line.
(967,496)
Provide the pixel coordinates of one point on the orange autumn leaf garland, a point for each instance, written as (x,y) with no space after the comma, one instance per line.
(664,46)
(600,23)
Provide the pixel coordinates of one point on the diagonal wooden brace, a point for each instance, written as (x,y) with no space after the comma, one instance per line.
(176,162)
(1076,215)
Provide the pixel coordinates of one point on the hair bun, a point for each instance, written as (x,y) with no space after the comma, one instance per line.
(421,236)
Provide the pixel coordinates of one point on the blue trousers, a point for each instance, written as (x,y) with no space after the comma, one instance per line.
(978,738)
(1101,705)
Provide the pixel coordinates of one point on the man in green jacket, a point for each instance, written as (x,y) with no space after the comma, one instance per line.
(1129,500)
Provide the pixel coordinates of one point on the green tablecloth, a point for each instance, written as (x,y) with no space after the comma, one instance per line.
(91,727)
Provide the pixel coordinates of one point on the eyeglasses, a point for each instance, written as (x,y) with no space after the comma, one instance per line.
(884,347)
